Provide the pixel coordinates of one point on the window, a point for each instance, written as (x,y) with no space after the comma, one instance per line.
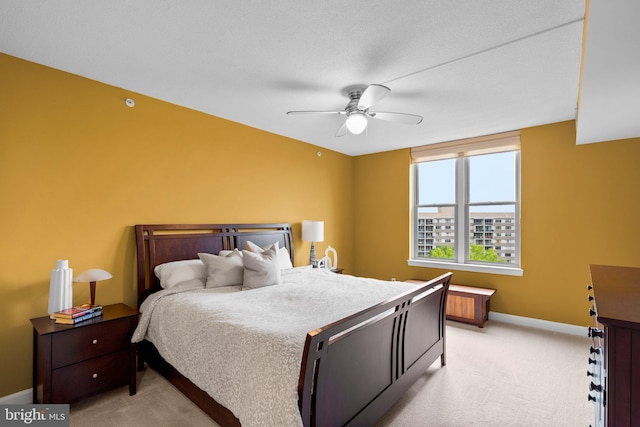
(472,185)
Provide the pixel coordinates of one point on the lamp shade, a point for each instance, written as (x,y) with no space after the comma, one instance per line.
(356,122)
(93,275)
(312,231)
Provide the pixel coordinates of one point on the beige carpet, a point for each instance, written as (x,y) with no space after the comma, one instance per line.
(501,375)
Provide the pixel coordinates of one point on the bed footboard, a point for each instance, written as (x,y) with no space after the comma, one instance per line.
(355,369)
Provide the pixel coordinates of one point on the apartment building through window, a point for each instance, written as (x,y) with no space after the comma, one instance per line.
(490,230)
(467,204)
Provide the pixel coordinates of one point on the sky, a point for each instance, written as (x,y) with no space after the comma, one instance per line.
(492,179)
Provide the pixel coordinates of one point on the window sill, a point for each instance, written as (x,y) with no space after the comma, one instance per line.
(476,268)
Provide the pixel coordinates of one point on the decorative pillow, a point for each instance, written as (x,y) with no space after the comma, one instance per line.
(250,246)
(226,253)
(172,273)
(261,269)
(223,270)
(284,257)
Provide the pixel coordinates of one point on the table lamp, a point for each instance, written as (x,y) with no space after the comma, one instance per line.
(92,276)
(313,231)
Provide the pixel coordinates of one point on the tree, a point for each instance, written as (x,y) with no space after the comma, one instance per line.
(476,253)
(479,253)
(442,252)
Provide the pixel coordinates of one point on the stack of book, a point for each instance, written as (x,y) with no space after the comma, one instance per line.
(73,315)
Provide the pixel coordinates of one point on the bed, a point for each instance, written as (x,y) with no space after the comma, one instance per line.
(347,371)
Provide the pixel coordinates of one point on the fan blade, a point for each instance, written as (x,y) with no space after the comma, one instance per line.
(342,130)
(315,112)
(371,95)
(404,118)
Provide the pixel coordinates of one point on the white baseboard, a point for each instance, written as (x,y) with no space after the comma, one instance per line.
(19,398)
(547,325)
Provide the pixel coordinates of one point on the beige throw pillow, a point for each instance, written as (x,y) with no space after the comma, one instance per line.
(261,269)
(223,270)
(283,253)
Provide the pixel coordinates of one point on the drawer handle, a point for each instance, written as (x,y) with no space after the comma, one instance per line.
(95,375)
(94,342)
(595,332)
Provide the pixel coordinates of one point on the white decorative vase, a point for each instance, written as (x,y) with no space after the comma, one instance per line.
(60,290)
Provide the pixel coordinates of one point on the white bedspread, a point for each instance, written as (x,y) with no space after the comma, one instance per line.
(244,348)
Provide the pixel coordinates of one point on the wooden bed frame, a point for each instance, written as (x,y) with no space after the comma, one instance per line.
(352,371)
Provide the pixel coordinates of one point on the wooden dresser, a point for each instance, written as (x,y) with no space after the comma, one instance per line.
(74,361)
(615,355)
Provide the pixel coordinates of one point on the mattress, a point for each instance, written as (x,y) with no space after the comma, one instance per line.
(244,347)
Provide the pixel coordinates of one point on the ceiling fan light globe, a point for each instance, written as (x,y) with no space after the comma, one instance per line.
(356,123)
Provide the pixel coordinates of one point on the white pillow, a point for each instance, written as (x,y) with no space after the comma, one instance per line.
(172,273)
(261,269)
(284,257)
(223,270)
(226,253)
(250,246)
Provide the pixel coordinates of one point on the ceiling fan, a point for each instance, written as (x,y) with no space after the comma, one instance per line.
(358,113)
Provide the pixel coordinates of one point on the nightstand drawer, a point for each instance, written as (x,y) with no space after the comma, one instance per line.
(89,377)
(83,343)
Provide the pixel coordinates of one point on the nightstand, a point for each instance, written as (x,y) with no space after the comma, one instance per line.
(337,270)
(75,361)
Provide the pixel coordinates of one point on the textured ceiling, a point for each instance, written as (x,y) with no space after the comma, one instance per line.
(610,87)
(471,67)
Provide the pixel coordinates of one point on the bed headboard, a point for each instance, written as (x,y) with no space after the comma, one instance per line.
(160,243)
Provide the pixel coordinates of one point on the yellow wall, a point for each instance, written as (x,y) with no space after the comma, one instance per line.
(78,169)
(580,205)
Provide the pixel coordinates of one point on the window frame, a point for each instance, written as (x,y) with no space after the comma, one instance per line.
(461,151)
